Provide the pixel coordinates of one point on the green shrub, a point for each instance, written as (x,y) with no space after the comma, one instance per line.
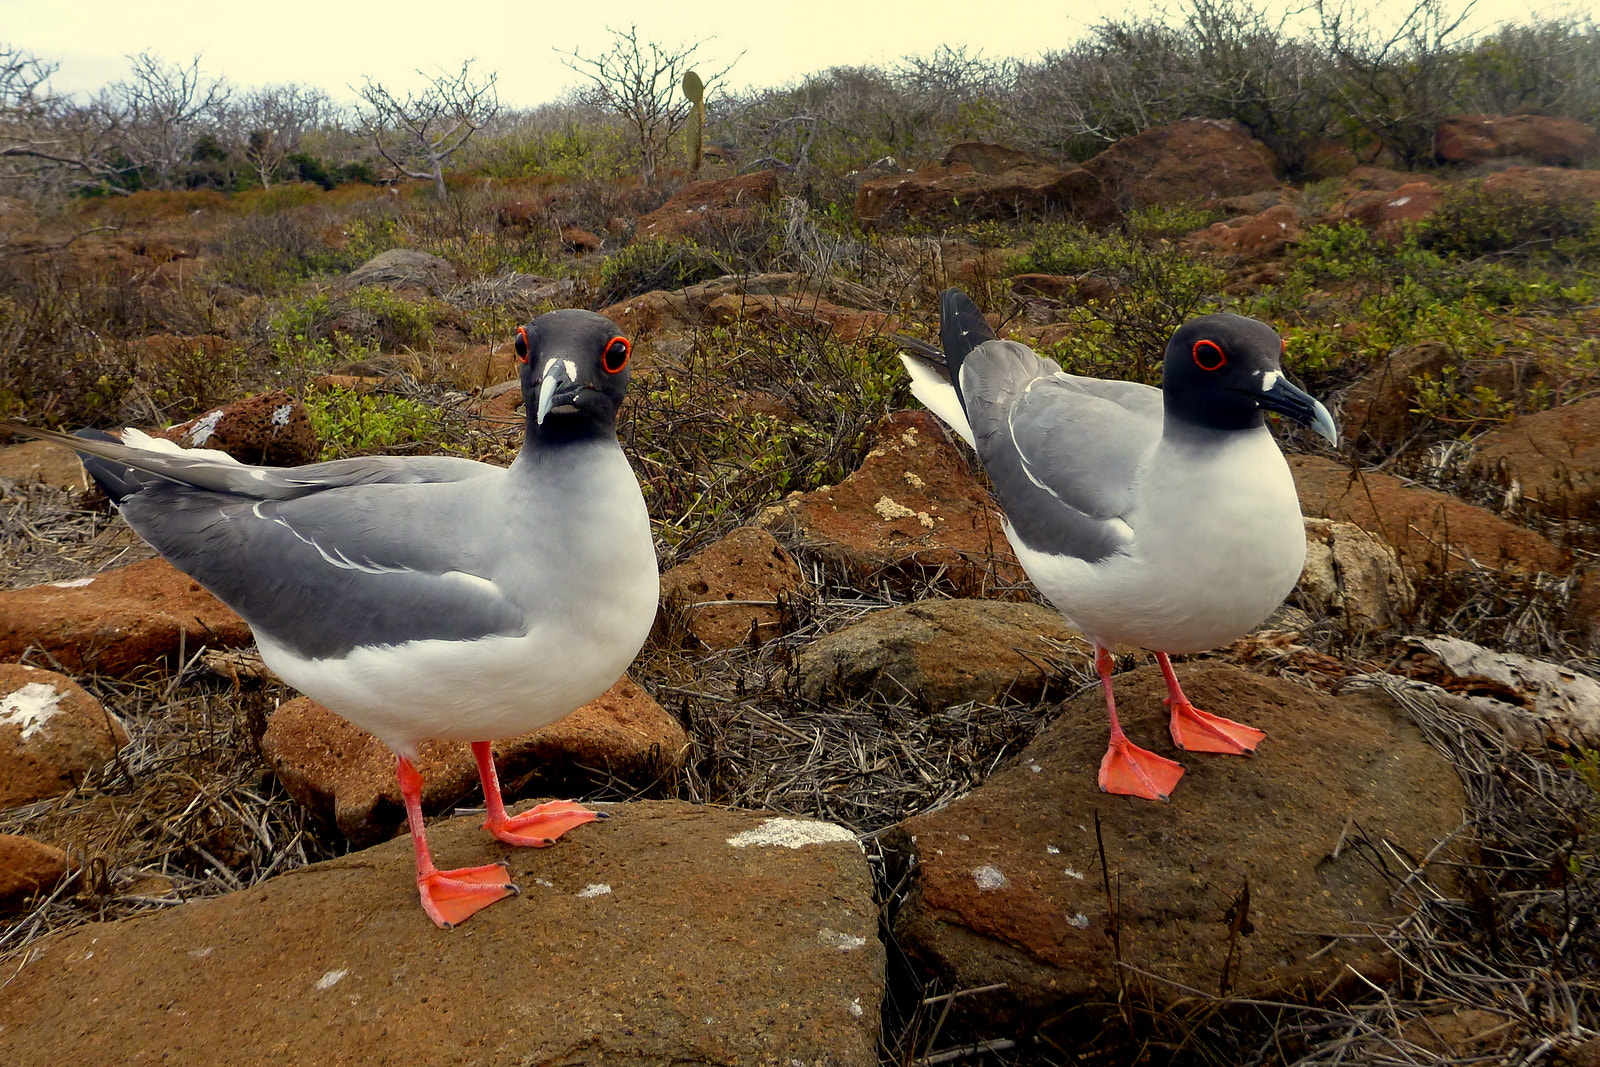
(1471,221)
(352,423)
(657,263)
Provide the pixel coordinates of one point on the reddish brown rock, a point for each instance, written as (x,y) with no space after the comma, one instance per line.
(719,204)
(27,869)
(120,622)
(43,463)
(1550,460)
(269,428)
(1387,212)
(1429,529)
(810,312)
(1265,234)
(1544,139)
(574,239)
(940,652)
(913,513)
(347,776)
(1195,159)
(52,733)
(1574,187)
(987,158)
(657,310)
(668,933)
(733,592)
(1009,885)
(962,191)
(476,366)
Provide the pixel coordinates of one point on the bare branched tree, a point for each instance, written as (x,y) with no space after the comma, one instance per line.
(158,115)
(269,122)
(417,133)
(46,142)
(640,82)
(1397,86)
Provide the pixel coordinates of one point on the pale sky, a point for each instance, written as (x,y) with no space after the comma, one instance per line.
(331,44)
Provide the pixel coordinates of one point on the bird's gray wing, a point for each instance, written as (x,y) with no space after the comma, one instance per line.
(331,570)
(1061,451)
(258,483)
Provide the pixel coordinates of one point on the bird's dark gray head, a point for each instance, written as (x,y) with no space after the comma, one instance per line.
(1221,370)
(575,371)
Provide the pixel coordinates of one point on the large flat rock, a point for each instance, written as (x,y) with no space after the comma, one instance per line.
(1010,887)
(647,938)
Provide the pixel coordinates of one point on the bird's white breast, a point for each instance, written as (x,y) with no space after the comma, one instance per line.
(1218,543)
(591,598)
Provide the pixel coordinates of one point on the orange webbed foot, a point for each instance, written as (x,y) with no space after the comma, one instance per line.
(540,826)
(451,897)
(1194,730)
(1130,770)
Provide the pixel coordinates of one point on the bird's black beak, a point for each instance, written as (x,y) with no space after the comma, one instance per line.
(1283,396)
(558,389)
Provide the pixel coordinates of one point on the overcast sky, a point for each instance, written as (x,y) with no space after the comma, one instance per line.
(331,44)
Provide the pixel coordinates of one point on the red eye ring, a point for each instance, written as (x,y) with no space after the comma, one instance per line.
(524,348)
(1204,350)
(616,354)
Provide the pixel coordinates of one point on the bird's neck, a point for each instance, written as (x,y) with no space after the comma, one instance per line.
(1189,420)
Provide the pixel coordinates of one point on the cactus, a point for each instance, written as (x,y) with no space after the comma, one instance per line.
(695,90)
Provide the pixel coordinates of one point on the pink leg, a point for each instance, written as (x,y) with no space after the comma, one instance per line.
(1194,730)
(449,897)
(534,828)
(1128,769)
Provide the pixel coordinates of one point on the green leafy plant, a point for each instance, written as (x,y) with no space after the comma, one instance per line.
(348,422)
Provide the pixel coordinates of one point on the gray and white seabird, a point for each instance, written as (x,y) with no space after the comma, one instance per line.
(1164,518)
(431,597)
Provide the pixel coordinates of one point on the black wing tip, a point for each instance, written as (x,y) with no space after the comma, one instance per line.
(962,326)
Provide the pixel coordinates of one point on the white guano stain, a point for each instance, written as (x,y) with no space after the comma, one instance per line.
(280,415)
(1070,873)
(332,978)
(842,941)
(204,427)
(1079,920)
(594,889)
(31,707)
(73,583)
(988,878)
(792,833)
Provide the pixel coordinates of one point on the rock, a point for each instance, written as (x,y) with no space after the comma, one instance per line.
(1549,461)
(1536,704)
(346,776)
(52,733)
(939,652)
(912,513)
(960,190)
(668,933)
(1545,139)
(119,622)
(44,463)
(1577,188)
(575,239)
(1429,529)
(1082,288)
(269,428)
(712,586)
(986,158)
(685,308)
(720,204)
(1010,889)
(406,268)
(1379,409)
(1266,234)
(1194,159)
(1388,212)
(806,312)
(1354,576)
(27,868)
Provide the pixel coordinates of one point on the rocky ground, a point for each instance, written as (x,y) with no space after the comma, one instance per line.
(850,779)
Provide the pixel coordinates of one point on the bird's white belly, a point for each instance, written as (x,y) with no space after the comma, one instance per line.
(1193,579)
